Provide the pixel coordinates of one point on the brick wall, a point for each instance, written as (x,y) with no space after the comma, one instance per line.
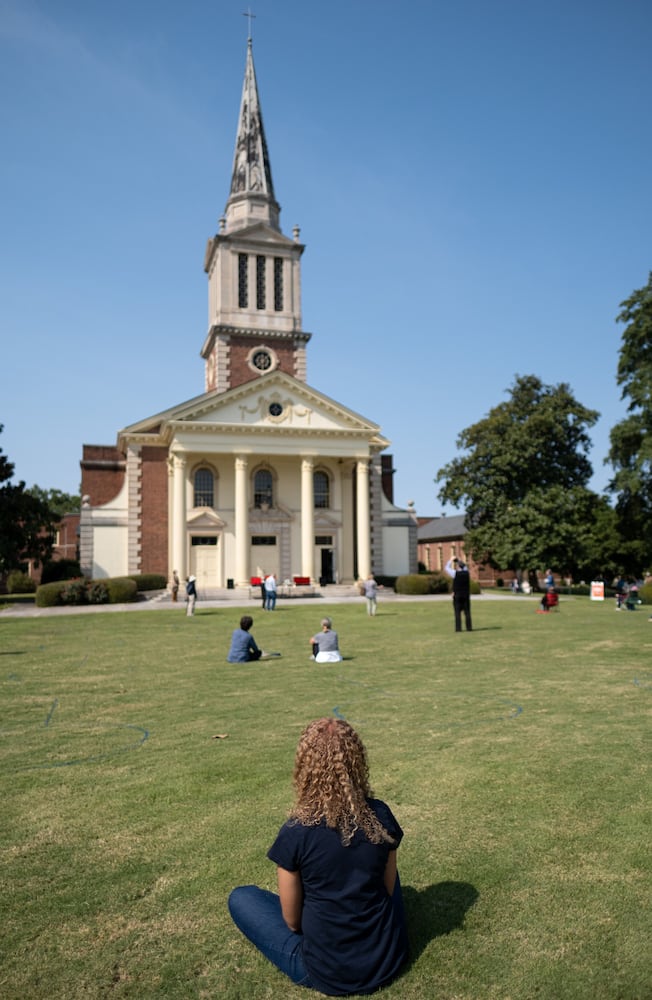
(435,554)
(240,348)
(154,506)
(103,473)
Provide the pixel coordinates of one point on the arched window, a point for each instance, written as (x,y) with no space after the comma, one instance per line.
(204,488)
(321,489)
(263,489)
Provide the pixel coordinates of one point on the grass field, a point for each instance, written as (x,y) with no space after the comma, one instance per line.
(516,758)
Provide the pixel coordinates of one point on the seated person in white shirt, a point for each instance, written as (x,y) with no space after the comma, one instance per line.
(325,645)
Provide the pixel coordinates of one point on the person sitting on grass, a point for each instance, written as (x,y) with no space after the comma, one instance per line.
(243,646)
(337,924)
(550,599)
(325,645)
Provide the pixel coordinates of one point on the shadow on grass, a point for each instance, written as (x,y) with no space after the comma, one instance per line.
(435,911)
(488,628)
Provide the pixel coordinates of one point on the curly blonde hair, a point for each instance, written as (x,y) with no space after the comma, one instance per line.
(331,781)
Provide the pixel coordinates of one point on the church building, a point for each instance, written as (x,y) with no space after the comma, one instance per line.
(261,473)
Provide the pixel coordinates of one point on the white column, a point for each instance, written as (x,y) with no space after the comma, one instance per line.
(363,526)
(241,523)
(307,519)
(179,516)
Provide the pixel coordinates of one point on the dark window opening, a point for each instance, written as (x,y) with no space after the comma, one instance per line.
(204,488)
(321,489)
(278,284)
(243,289)
(260,282)
(263,489)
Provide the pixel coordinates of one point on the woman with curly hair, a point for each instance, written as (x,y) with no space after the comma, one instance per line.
(337,924)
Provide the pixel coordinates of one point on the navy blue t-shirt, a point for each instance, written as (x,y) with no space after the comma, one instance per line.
(352,939)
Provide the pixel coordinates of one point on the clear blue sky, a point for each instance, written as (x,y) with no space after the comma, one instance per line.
(472,181)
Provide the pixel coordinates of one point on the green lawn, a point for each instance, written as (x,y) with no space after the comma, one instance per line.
(516,759)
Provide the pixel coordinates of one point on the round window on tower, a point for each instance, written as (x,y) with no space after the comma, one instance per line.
(262,359)
(275,409)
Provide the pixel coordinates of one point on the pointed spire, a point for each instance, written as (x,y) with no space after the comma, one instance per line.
(252,192)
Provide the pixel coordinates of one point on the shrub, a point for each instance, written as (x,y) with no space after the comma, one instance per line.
(115,590)
(386,581)
(98,593)
(121,589)
(645,593)
(20,583)
(60,569)
(74,592)
(500,582)
(149,581)
(421,583)
(48,595)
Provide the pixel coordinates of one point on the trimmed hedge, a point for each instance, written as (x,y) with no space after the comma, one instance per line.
(20,583)
(48,595)
(149,581)
(422,583)
(645,593)
(429,583)
(113,590)
(121,589)
(74,592)
(98,593)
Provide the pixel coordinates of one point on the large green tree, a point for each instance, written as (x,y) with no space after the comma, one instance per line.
(630,453)
(26,522)
(523,480)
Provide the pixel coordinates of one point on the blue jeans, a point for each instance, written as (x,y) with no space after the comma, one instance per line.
(257,913)
(271,600)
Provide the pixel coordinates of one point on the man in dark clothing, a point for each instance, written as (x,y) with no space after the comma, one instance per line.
(461,592)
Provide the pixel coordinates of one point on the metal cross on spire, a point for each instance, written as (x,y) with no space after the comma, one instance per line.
(247,13)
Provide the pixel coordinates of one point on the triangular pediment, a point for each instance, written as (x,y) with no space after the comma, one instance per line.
(260,232)
(326,522)
(205,519)
(276,405)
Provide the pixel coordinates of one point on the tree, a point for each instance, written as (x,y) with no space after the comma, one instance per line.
(523,480)
(26,522)
(630,453)
(57,501)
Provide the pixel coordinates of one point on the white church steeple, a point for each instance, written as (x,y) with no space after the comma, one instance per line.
(253,268)
(251,198)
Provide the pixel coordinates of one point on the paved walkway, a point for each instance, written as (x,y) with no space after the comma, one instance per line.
(162,601)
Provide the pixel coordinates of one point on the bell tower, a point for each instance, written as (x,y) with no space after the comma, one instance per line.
(254,270)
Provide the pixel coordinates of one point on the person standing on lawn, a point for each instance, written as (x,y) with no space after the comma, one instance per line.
(370,591)
(337,924)
(270,592)
(461,577)
(191,596)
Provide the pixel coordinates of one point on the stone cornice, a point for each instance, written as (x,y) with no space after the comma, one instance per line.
(251,333)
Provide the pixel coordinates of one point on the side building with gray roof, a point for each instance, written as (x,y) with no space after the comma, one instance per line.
(442,538)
